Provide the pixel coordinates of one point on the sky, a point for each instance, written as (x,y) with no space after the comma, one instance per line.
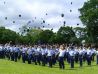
(33,12)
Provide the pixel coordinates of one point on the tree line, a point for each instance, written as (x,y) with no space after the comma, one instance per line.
(38,36)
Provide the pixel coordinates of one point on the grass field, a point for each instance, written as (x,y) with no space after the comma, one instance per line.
(9,67)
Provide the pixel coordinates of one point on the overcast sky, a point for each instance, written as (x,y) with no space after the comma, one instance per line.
(29,9)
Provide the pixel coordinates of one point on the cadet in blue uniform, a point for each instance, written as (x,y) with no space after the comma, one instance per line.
(8,52)
(67,54)
(33,54)
(61,57)
(12,53)
(97,56)
(93,53)
(39,55)
(89,54)
(29,53)
(76,55)
(72,55)
(49,55)
(37,52)
(24,53)
(19,53)
(16,51)
(56,53)
(0,51)
(43,55)
(84,54)
(3,51)
(81,56)
(53,55)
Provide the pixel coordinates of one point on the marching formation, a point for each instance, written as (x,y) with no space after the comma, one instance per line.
(50,54)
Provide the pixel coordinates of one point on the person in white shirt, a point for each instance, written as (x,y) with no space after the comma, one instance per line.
(61,57)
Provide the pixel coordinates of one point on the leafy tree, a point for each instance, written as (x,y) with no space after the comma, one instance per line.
(81,33)
(33,35)
(45,36)
(53,39)
(64,34)
(7,35)
(89,17)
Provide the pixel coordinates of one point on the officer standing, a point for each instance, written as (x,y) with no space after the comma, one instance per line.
(24,54)
(81,56)
(39,56)
(89,54)
(12,53)
(61,57)
(8,52)
(97,56)
(0,51)
(72,55)
(29,53)
(67,54)
(84,54)
(76,54)
(43,56)
(16,51)
(49,55)
(93,51)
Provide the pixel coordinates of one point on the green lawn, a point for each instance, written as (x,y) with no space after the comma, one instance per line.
(9,67)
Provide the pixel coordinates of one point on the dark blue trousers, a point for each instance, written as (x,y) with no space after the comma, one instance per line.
(8,54)
(53,59)
(97,59)
(23,57)
(43,60)
(16,56)
(81,60)
(50,61)
(88,59)
(72,61)
(39,59)
(92,57)
(61,63)
(12,56)
(29,58)
(85,57)
(68,57)
(76,58)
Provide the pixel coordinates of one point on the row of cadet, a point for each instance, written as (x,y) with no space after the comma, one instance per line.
(50,54)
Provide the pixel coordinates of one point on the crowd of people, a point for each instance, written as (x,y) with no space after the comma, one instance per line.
(49,55)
